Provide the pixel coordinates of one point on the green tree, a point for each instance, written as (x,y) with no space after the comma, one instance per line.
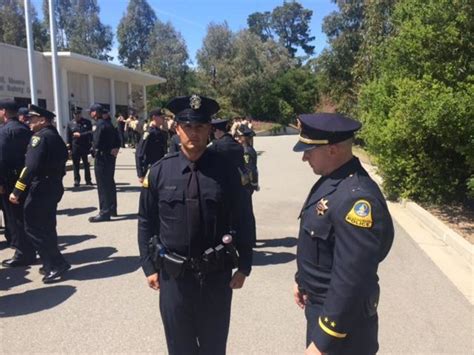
(260,23)
(133,34)
(168,59)
(80,29)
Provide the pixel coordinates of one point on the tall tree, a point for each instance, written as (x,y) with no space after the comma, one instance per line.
(133,34)
(260,23)
(12,25)
(217,47)
(168,58)
(80,29)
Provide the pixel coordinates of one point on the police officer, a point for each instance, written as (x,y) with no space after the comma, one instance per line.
(244,136)
(190,200)
(153,145)
(345,232)
(79,142)
(105,145)
(23,115)
(14,138)
(40,185)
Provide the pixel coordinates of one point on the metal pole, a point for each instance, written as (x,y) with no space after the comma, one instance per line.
(31,58)
(61,126)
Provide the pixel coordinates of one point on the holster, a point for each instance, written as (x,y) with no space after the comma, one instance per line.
(174,264)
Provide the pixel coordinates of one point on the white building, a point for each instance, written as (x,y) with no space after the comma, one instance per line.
(84,81)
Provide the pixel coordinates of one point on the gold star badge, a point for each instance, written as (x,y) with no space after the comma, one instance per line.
(333,324)
(326,319)
(322,206)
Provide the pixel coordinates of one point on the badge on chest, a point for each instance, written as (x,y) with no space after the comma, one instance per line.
(322,206)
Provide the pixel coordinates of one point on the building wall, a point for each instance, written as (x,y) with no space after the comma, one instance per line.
(78,89)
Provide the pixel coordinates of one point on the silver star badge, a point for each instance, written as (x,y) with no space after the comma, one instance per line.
(195,102)
(322,206)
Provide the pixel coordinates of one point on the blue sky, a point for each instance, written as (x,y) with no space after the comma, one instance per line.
(191,17)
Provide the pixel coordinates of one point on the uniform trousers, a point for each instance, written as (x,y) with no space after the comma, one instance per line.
(18,237)
(196,316)
(77,156)
(6,226)
(104,174)
(40,209)
(362,340)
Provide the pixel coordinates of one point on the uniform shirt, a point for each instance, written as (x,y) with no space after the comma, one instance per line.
(151,148)
(84,142)
(163,211)
(105,136)
(14,138)
(250,158)
(345,232)
(46,156)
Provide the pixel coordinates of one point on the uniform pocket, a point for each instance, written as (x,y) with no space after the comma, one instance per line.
(171,204)
(320,230)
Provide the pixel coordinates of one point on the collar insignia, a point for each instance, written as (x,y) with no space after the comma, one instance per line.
(322,206)
(195,102)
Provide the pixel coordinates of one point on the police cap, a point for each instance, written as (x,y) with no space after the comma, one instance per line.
(23,111)
(96,107)
(243,130)
(8,104)
(76,109)
(220,124)
(193,109)
(324,128)
(36,111)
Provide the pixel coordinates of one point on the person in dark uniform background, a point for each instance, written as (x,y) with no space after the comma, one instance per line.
(190,200)
(79,142)
(5,227)
(175,144)
(14,138)
(23,115)
(153,144)
(105,145)
(40,185)
(244,136)
(121,128)
(345,232)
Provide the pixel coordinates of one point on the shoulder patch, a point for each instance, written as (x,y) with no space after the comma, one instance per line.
(360,214)
(146,183)
(35,141)
(145,135)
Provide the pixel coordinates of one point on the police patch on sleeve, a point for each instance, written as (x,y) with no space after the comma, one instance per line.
(360,215)
(35,141)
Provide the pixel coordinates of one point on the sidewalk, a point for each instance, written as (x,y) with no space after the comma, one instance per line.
(447,249)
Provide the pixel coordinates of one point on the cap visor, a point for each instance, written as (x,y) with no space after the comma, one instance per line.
(302,147)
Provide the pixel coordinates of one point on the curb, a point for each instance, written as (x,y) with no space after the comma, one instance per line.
(438,229)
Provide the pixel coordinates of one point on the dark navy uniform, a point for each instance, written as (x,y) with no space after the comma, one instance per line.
(105,139)
(40,185)
(151,148)
(250,158)
(14,138)
(195,305)
(345,232)
(80,146)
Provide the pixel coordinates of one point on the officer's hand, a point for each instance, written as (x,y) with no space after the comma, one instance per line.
(76,134)
(141,179)
(115,152)
(237,280)
(2,190)
(154,281)
(312,350)
(14,199)
(300,299)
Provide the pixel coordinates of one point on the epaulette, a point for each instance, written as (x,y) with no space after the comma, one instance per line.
(170,155)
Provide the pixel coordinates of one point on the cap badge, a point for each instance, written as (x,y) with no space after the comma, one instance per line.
(322,206)
(195,102)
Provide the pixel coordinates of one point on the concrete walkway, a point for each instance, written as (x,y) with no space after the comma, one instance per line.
(105,306)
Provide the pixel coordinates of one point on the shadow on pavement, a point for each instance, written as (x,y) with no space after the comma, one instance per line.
(67,240)
(89,255)
(33,301)
(112,267)
(79,188)
(124,217)
(262,258)
(129,189)
(122,183)
(11,277)
(286,242)
(76,211)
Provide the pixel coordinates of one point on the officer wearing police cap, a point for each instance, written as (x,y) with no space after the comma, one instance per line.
(191,200)
(40,186)
(14,138)
(345,232)
(153,144)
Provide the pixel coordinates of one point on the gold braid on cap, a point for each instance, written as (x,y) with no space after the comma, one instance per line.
(313,141)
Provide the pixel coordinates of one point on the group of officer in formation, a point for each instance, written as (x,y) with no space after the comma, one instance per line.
(196,226)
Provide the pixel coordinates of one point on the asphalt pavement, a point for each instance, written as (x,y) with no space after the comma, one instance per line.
(105,306)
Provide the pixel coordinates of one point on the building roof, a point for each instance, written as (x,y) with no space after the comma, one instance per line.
(82,64)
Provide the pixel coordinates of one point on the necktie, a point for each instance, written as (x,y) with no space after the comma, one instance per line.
(193,211)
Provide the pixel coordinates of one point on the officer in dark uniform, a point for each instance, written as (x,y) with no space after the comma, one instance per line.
(244,136)
(190,200)
(227,146)
(105,145)
(23,115)
(345,232)
(153,144)
(79,142)
(14,138)
(40,185)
